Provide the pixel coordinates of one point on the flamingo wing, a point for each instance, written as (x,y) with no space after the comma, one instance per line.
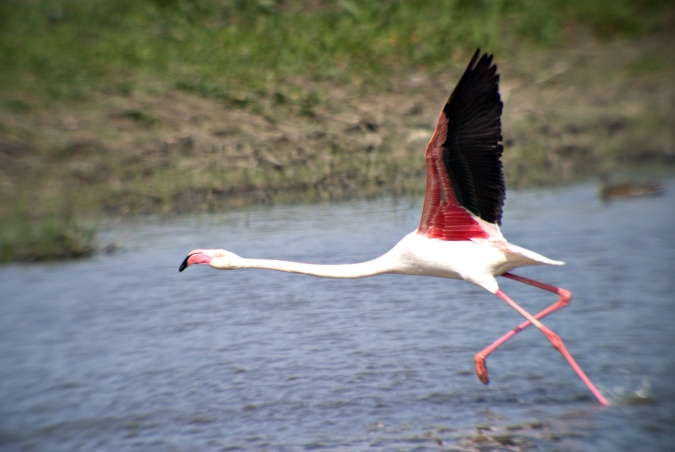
(465,180)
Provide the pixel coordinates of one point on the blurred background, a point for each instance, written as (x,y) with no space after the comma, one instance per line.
(110,109)
(134,131)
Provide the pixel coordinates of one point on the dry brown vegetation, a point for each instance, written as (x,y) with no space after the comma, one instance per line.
(569,114)
(147,144)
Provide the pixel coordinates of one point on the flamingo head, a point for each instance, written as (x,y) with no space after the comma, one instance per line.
(220,259)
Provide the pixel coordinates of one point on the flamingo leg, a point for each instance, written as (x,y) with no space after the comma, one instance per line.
(555,340)
(564,299)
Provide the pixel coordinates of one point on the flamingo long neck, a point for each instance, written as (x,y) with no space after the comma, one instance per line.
(357,270)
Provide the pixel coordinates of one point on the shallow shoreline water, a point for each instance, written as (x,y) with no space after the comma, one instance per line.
(123,352)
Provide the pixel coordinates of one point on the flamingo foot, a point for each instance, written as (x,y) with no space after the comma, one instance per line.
(481,368)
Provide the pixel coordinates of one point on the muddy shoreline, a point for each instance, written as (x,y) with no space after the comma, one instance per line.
(569,114)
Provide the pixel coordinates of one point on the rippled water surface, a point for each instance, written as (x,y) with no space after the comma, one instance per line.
(123,352)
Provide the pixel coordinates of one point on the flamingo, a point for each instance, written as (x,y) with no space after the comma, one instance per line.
(459,233)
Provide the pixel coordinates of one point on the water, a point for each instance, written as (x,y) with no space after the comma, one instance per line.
(121,352)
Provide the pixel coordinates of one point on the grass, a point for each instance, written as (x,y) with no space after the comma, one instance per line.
(85,85)
(242,50)
(50,239)
(47,235)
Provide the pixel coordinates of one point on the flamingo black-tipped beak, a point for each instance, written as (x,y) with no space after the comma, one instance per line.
(185,264)
(197,257)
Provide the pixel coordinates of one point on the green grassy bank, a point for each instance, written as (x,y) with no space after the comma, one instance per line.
(111,108)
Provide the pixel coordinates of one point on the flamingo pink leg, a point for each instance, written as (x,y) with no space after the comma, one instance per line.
(556,341)
(564,300)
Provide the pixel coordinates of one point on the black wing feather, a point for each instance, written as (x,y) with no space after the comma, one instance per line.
(472,149)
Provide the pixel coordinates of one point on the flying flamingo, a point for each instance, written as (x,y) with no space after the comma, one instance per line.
(458,235)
